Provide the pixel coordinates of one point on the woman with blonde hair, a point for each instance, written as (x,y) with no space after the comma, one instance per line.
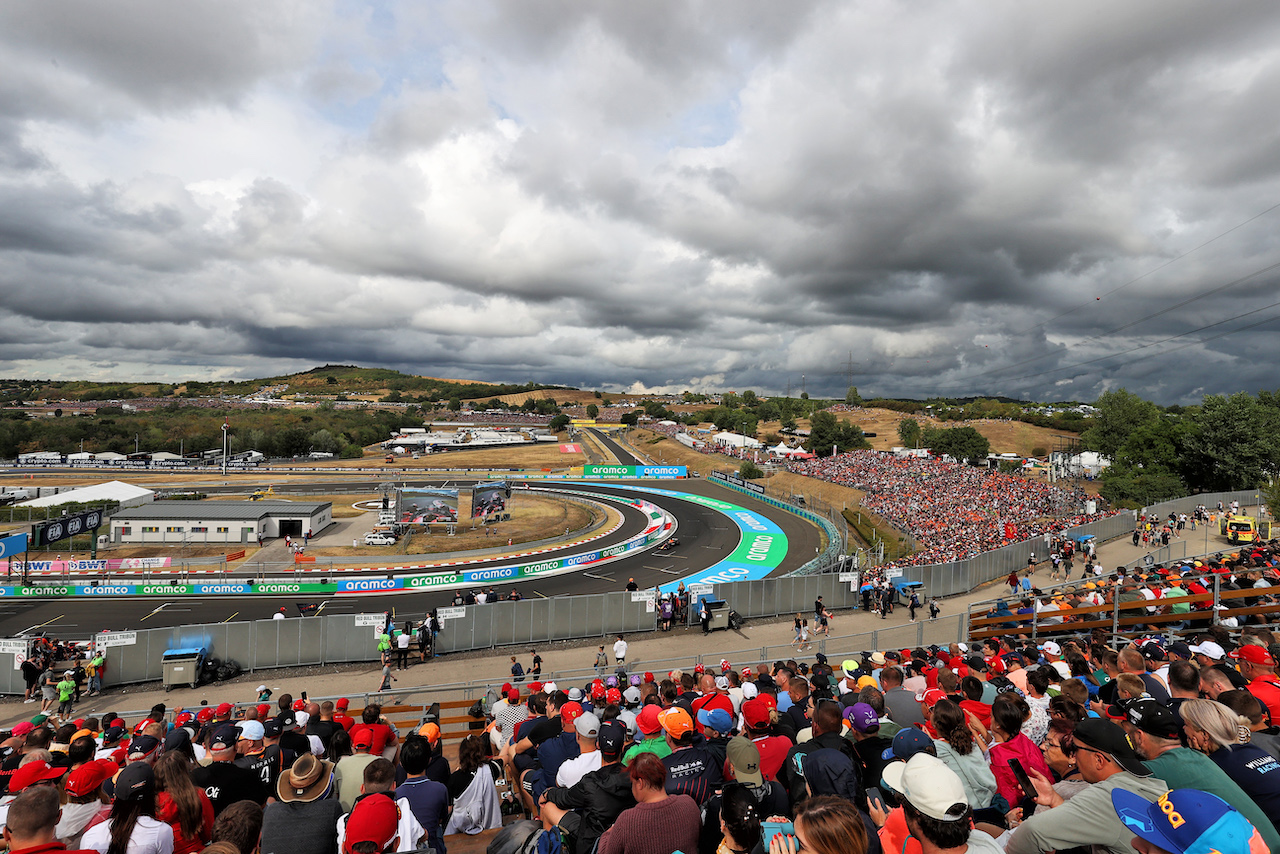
(1223,736)
(824,824)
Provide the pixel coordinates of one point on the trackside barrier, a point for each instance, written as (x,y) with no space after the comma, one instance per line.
(835,539)
(335,638)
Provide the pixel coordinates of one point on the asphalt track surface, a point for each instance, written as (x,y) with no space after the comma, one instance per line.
(706,536)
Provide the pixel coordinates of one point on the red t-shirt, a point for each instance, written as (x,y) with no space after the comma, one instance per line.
(345,721)
(167,811)
(980,710)
(773,752)
(1266,689)
(382,736)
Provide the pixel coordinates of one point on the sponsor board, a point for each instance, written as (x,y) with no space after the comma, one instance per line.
(451,613)
(12,545)
(55,530)
(13,646)
(738,481)
(635,472)
(375,620)
(110,639)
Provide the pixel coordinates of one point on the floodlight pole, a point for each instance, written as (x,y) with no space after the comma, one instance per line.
(224,447)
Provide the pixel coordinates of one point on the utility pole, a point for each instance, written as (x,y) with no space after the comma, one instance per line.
(225,425)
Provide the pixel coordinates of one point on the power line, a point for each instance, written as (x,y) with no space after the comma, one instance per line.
(1164,341)
(1131,324)
(1154,270)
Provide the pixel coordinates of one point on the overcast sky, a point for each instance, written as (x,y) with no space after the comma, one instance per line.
(655,195)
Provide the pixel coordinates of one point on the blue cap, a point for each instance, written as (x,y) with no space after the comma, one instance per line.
(907,743)
(1185,821)
(716,719)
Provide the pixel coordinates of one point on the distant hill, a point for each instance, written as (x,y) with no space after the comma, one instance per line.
(326,380)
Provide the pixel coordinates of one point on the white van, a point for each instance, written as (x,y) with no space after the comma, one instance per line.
(378,538)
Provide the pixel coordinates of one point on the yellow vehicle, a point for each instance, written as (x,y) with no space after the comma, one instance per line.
(1239,529)
(263,493)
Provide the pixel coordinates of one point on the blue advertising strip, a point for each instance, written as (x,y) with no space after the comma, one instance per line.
(12,545)
(760,550)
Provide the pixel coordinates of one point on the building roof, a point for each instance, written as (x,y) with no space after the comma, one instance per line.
(113,490)
(227,510)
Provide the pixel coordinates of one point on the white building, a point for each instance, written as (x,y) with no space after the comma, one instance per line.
(184,522)
(126,493)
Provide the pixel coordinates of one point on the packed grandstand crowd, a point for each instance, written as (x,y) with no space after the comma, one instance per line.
(1011,746)
(951,511)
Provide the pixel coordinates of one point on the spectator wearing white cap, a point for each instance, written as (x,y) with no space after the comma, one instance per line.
(935,806)
(586,728)
(1210,654)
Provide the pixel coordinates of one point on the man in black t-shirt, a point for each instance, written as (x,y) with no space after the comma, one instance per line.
(321,723)
(224,781)
(254,756)
(692,769)
(290,738)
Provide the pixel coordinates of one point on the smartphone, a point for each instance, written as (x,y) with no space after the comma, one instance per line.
(304,695)
(876,797)
(770,829)
(1020,774)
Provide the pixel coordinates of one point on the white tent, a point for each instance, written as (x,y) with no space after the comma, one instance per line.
(736,440)
(783,451)
(126,493)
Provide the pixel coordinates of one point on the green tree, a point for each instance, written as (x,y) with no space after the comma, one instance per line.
(630,418)
(826,432)
(961,443)
(558,423)
(1234,442)
(909,432)
(1271,495)
(750,470)
(1119,413)
(749,399)
(768,411)
(455,404)
(592,410)
(324,441)
(729,400)
(852,397)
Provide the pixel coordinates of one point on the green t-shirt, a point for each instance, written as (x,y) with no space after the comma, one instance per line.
(66,690)
(657,746)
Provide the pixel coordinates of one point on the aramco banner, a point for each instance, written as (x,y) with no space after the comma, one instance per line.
(635,472)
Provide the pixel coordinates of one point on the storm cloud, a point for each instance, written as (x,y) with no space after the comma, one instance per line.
(954,197)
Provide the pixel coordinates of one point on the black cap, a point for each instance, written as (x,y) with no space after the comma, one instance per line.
(224,738)
(286,719)
(1152,651)
(143,745)
(1153,718)
(612,738)
(177,737)
(272,728)
(134,781)
(1109,738)
(113,734)
(1180,649)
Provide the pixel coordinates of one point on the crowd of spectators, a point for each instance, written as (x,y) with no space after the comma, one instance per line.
(1012,746)
(1177,596)
(950,511)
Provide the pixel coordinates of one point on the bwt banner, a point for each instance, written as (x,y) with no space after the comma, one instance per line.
(635,472)
(12,545)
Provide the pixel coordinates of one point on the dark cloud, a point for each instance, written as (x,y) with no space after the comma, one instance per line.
(969,198)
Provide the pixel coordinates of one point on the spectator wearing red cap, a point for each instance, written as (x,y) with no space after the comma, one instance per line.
(380,781)
(511,714)
(757,715)
(86,802)
(373,828)
(340,716)
(653,739)
(31,828)
(1259,670)
(348,775)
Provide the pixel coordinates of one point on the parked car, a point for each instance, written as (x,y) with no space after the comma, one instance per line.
(377,538)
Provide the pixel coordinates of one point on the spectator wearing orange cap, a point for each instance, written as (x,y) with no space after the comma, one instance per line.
(692,768)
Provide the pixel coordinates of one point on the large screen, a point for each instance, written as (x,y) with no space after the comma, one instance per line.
(422,505)
(489,498)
